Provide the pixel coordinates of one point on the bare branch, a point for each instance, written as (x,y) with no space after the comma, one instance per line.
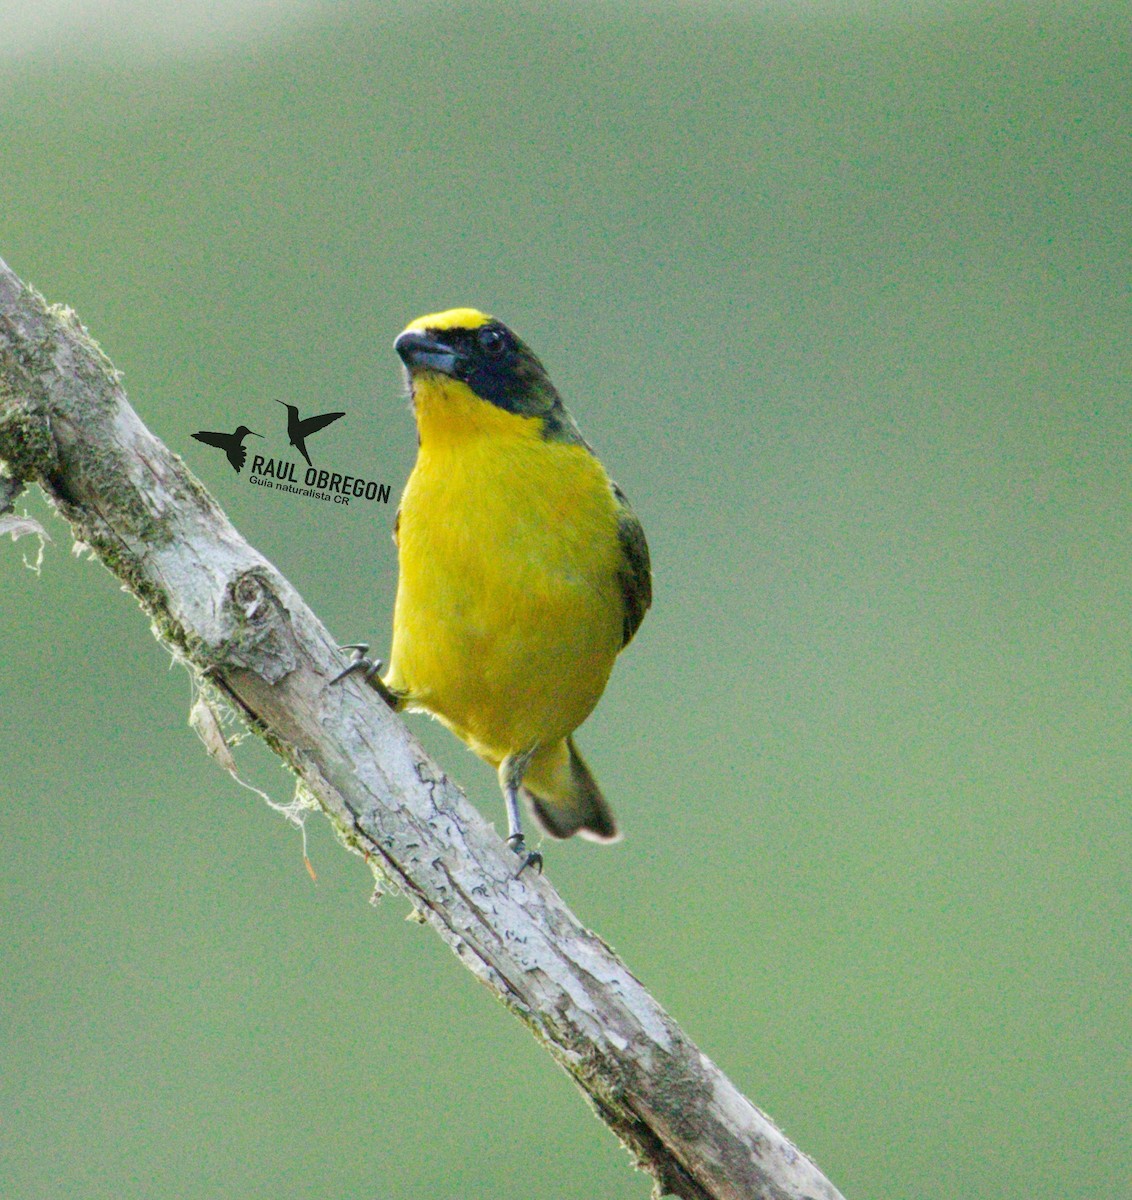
(65,424)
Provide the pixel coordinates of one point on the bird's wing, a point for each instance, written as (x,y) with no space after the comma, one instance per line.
(634,573)
(310,425)
(211,438)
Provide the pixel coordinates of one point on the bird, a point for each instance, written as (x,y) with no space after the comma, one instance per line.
(522,571)
(300,428)
(231,443)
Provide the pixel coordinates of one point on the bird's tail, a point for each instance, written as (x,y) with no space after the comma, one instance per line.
(565,796)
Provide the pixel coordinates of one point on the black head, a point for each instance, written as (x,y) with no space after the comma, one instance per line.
(482,353)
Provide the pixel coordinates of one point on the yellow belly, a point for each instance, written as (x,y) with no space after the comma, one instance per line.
(509,610)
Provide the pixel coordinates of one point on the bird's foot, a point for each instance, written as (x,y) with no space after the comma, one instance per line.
(531,858)
(370,671)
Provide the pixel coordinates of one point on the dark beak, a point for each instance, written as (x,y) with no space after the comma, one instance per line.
(423,352)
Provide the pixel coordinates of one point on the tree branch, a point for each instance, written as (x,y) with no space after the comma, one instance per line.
(65,424)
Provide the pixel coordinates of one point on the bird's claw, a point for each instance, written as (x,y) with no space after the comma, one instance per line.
(531,858)
(370,670)
(359,662)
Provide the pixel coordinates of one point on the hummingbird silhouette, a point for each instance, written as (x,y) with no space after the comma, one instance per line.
(231,443)
(300,428)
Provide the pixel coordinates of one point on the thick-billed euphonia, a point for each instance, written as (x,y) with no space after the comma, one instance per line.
(523,572)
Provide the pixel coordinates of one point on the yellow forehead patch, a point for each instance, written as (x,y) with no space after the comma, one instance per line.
(452,318)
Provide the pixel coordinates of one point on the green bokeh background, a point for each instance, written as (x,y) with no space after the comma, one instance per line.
(841,295)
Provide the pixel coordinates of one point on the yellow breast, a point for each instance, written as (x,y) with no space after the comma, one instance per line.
(509,611)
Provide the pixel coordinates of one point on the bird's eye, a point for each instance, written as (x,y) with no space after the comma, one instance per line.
(493,340)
